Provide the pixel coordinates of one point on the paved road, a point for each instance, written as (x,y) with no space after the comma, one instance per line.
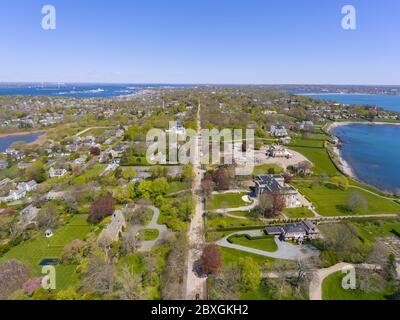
(286,251)
(195,284)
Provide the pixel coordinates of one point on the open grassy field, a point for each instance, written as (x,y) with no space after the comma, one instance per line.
(332,290)
(319,157)
(265,168)
(302,212)
(38,248)
(215,221)
(333,201)
(226,200)
(371,229)
(267,244)
(89,174)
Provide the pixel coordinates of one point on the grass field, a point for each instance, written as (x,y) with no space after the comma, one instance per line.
(148,234)
(378,228)
(319,157)
(332,290)
(215,221)
(302,212)
(333,201)
(38,248)
(89,174)
(264,168)
(267,244)
(226,200)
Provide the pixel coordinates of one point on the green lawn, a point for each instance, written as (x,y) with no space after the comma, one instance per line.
(216,221)
(226,200)
(332,290)
(89,174)
(267,244)
(302,212)
(39,248)
(232,256)
(148,234)
(265,168)
(332,201)
(177,186)
(377,228)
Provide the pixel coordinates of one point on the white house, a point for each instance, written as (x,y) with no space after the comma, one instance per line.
(278,151)
(278,131)
(27,186)
(54,173)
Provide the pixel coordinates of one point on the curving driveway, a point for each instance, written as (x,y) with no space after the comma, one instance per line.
(162,230)
(286,251)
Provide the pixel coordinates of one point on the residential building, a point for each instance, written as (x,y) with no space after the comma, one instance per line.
(54,173)
(3,164)
(278,151)
(113,230)
(300,231)
(272,183)
(27,186)
(278,131)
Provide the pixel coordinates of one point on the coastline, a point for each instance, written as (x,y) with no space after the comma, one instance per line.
(334,125)
(344,166)
(21,133)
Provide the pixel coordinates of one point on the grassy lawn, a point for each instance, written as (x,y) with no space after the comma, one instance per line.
(39,248)
(226,200)
(232,256)
(377,228)
(215,221)
(265,168)
(177,186)
(332,201)
(267,244)
(148,234)
(89,174)
(332,290)
(302,212)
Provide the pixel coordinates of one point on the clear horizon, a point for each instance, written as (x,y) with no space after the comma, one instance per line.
(253,42)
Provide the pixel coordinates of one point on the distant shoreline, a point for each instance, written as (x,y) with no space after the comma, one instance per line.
(343,164)
(21,133)
(334,125)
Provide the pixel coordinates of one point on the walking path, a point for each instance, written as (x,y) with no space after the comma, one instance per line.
(286,251)
(315,289)
(162,231)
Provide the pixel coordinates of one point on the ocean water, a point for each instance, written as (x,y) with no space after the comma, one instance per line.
(76,90)
(387,102)
(373,152)
(7,141)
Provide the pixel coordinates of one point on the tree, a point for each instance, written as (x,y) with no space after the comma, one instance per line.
(128,173)
(99,276)
(341,181)
(208,187)
(128,242)
(95,151)
(390,268)
(288,177)
(271,204)
(211,259)
(226,284)
(36,172)
(130,286)
(101,208)
(48,216)
(221,179)
(13,274)
(187,173)
(250,274)
(73,252)
(356,202)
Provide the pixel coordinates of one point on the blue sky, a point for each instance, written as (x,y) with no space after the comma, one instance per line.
(201,41)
